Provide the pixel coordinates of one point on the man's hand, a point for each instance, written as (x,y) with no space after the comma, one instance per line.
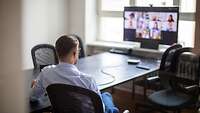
(33,83)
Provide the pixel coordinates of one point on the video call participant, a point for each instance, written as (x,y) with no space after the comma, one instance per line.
(170,23)
(130,22)
(155,34)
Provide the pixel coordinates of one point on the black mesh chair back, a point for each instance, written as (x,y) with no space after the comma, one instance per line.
(81,46)
(166,64)
(167,56)
(185,72)
(43,55)
(183,76)
(73,99)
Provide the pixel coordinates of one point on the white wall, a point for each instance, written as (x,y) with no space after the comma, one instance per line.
(12,95)
(77,17)
(57,19)
(43,22)
(83,19)
(90,21)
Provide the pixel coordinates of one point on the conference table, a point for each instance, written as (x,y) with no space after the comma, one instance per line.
(108,70)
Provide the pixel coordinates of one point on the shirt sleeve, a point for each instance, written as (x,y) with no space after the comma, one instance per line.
(93,87)
(92,83)
(38,90)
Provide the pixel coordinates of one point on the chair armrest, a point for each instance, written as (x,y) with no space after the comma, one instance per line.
(153,78)
(192,89)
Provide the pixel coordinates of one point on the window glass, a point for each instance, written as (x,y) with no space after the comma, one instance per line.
(114,5)
(154,2)
(186,33)
(111,29)
(188,6)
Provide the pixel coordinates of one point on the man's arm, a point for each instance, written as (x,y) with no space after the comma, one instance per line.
(37,88)
(94,87)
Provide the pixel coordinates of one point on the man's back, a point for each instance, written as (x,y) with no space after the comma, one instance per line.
(63,73)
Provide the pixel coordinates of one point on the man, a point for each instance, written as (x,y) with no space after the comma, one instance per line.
(66,72)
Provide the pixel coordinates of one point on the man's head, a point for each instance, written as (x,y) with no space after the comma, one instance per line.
(67,48)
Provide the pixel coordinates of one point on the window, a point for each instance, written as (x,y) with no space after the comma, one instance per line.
(111,28)
(188,6)
(110,15)
(110,18)
(113,5)
(186,34)
(154,2)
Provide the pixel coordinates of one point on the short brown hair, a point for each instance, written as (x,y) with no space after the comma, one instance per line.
(65,44)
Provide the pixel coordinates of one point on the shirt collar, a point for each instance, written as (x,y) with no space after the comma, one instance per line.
(67,65)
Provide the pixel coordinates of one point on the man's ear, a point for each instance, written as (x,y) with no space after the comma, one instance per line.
(74,53)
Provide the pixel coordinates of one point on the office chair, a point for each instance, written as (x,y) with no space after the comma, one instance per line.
(81,46)
(73,99)
(184,83)
(153,81)
(43,55)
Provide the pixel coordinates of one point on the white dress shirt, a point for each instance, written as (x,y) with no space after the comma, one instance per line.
(63,73)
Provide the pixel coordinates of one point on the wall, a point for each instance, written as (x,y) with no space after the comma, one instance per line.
(197,33)
(43,22)
(77,18)
(83,19)
(12,96)
(90,21)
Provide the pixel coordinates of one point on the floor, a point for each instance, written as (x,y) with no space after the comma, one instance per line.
(125,101)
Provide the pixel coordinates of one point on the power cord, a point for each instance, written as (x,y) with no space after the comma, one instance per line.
(108,74)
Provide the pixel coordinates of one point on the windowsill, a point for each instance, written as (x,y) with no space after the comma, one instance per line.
(135,46)
(113,44)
